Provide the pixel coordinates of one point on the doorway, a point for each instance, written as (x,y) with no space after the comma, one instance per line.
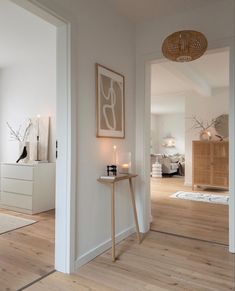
(186,99)
(64,235)
(66,140)
(143,136)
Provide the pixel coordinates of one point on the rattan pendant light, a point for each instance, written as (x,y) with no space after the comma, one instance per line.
(184,46)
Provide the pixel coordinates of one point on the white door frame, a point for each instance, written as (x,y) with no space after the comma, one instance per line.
(143,104)
(66,137)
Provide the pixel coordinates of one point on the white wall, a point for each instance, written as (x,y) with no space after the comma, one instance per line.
(168,124)
(205,109)
(27,74)
(100,35)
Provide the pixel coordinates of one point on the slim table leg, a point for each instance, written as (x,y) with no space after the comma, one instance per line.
(113,221)
(134,210)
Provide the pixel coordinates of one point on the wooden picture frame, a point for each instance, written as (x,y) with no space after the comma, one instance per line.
(110,103)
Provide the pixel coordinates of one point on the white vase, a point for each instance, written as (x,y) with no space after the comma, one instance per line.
(205,135)
(21,148)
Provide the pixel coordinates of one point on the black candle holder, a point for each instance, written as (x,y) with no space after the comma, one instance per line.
(112,169)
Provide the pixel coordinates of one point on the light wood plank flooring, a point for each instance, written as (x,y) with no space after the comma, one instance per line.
(199,220)
(161,262)
(26,254)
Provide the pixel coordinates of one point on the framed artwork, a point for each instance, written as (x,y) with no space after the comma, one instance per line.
(110,103)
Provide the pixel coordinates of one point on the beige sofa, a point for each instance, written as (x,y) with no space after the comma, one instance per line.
(171,164)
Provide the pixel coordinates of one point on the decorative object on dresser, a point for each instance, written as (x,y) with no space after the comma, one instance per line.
(39,138)
(33,139)
(216,129)
(28,188)
(110,103)
(23,155)
(21,135)
(204,127)
(221,126)
(210,164)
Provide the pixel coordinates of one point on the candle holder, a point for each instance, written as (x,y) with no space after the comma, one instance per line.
(112,169)
(37,148)
(38,138)
(124,163)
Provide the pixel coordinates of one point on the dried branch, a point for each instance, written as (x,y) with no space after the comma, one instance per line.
(213,122)
(26,132)
(14,133)
(200,124)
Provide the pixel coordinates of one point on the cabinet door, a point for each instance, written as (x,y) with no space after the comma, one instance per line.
(220,152)
(201,163)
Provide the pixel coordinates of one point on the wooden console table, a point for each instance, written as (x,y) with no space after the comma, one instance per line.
(112,182)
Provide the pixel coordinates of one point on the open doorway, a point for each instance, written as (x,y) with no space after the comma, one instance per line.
(27,131)
(35,87)
(185,100)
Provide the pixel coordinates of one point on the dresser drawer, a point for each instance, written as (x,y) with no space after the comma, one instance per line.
(17,186)
(17,172)
(16,200)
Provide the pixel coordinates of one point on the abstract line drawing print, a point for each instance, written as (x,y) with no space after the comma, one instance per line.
(112,97)
(110,103)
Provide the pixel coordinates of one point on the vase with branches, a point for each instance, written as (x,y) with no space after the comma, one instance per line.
(204,127)
(21,135)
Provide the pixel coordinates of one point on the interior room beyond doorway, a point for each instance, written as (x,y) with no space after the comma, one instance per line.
(28,96)
(185,100)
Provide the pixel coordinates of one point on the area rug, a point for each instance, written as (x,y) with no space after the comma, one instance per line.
(10,222)
(201,197)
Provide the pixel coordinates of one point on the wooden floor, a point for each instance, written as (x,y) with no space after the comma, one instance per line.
(199,220)
(161,262)
(26,254)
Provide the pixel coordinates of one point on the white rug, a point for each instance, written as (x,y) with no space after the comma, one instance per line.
(201,197)
(10,222)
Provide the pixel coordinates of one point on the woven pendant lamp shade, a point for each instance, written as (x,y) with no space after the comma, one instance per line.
(184,46)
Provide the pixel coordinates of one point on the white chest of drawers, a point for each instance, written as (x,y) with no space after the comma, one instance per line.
(28,188)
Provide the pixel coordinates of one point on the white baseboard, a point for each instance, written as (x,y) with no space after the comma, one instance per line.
(188,184)
(90,255)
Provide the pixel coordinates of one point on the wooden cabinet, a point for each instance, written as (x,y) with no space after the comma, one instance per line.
(28,188)
(210,164)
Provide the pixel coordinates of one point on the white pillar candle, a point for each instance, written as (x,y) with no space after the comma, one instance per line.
(124,169)
(114,155)
(38,124)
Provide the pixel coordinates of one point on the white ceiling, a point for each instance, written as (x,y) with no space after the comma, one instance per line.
(171,82)
(20,32)
(142,10)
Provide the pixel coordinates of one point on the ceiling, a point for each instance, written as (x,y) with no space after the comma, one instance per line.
(142,10)
(171,82)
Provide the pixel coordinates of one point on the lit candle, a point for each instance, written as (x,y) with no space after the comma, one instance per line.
(125,168)
(114,154)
